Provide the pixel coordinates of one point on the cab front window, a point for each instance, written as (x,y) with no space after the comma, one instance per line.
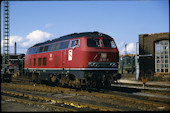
(109,43)
(93,43)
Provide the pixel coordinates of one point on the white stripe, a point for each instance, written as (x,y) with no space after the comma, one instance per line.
(15,59)
(74,68)
(99,68)
(45,68)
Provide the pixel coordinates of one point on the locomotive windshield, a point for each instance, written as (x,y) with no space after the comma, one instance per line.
(109,43)
(93,43)
(97,43)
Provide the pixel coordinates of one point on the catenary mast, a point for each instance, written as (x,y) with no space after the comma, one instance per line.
(6,33)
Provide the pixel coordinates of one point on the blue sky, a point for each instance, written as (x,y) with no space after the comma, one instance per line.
(32,22)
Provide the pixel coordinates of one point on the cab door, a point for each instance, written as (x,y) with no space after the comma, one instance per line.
(64,56)
(64,48)
(73,56)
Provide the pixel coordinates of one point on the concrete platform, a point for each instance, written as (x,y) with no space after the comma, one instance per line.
(150,83)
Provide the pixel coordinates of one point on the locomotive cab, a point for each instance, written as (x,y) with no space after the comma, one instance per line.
(96,59)
(102,57)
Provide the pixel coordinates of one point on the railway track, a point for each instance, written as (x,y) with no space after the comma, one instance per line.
(100,101)
(138,88)
(143,94)
(57,103)
(26,101)
(25,97)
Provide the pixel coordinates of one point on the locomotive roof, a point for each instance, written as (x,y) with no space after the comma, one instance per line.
(74,35)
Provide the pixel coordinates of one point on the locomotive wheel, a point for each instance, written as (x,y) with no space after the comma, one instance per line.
(94,84)
(77,86)
(59,84)
(77,83)
(62,81)
(53,79)
(107,84)
(34,78)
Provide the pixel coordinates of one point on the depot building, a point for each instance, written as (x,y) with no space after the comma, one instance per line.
(154,54)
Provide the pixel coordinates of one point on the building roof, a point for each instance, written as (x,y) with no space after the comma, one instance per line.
(155,34)
(129,55)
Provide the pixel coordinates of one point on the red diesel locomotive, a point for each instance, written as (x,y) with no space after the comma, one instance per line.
(81,59)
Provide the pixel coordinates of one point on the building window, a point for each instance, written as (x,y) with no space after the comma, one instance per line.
(39,61)
(162,56)
(44,61)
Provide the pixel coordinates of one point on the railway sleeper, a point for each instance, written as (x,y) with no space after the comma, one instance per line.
(37,103)
(105,95)
(68,103)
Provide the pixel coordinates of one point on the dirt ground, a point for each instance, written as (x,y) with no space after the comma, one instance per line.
(130,76)
(12,106)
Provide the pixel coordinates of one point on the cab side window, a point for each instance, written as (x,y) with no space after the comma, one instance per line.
(75,43)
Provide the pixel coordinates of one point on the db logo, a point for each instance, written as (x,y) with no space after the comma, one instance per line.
(70,53)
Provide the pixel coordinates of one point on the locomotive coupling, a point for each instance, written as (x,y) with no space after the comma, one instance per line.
(118,76)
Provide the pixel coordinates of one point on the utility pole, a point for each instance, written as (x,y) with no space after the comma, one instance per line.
(124,58)
(122,63)
(137,61)
(6,33)
(125,62)
(125,49)
(15,48)
(132,63)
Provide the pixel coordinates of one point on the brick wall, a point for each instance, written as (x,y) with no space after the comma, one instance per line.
(147,46)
